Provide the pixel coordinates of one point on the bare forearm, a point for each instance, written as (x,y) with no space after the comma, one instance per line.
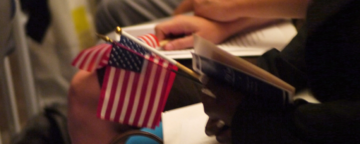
(184,6)
(245,24)
(228,10)
(272,8)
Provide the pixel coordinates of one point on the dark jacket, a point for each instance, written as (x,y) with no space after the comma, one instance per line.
(325,58)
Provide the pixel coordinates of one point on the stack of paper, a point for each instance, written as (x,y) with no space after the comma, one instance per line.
(254,43)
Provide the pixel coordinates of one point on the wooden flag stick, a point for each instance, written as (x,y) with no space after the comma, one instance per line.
(172,61)
(164,42)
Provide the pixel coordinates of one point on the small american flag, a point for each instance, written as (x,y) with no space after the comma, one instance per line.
(136,82)
(136,86)
(97,57)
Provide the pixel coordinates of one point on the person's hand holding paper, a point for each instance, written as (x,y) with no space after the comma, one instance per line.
(219,99)
(219,103)
(181,28)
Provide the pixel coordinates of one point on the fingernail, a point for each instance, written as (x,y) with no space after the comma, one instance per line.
(208,92)
(220,124)
(209,133)
(203,79)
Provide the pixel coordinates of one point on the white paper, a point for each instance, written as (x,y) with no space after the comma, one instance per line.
(254,43)
(186,125)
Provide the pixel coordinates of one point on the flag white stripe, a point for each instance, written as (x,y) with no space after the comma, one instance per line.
(81,59)
(138,92)
(149,41)
(99,58)
(148,95)
(157,96)
(107,93)
(90,57)
(152,39)
(104,62)
(120,83)
(127,97)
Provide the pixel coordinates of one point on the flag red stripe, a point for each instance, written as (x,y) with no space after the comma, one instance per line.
(149,95)
(122,87)
(92,61)
(83,61)
(153,96)
(103,56)
(117,96)
(147,41)
(88,59)
(142,95)
(112,90)
(155,40)
(126,108)
(132,99)
(103,92)
(139,88)
(76,60)
(162,97)
(152,40)
(162,71)
(167,87)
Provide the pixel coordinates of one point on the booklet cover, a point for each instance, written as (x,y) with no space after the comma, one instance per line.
(239,74)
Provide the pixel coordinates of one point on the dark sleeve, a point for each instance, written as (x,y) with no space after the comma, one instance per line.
(328,66)
(336,121)
(253,121)
(332,59)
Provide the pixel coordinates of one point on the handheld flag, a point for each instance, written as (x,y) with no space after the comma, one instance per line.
(136,82)
(136,85)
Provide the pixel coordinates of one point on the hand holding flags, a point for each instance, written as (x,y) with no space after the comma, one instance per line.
(136,83)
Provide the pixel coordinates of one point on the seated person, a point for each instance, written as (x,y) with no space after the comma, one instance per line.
(323,58)
(85,127)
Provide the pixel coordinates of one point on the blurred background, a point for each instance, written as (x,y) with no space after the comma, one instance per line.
(38,40)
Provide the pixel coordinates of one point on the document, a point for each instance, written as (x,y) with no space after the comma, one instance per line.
(253,43)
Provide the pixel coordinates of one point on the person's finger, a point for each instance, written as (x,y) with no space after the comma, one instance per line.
(180,43)
(213,87)
(210,106)
(208,92)
(214,126)
(178,26)
(165,29)
(220,9)
(219,99)
(224,136)
(183,7)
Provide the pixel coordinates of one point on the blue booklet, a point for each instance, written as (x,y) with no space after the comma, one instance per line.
(239,74)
